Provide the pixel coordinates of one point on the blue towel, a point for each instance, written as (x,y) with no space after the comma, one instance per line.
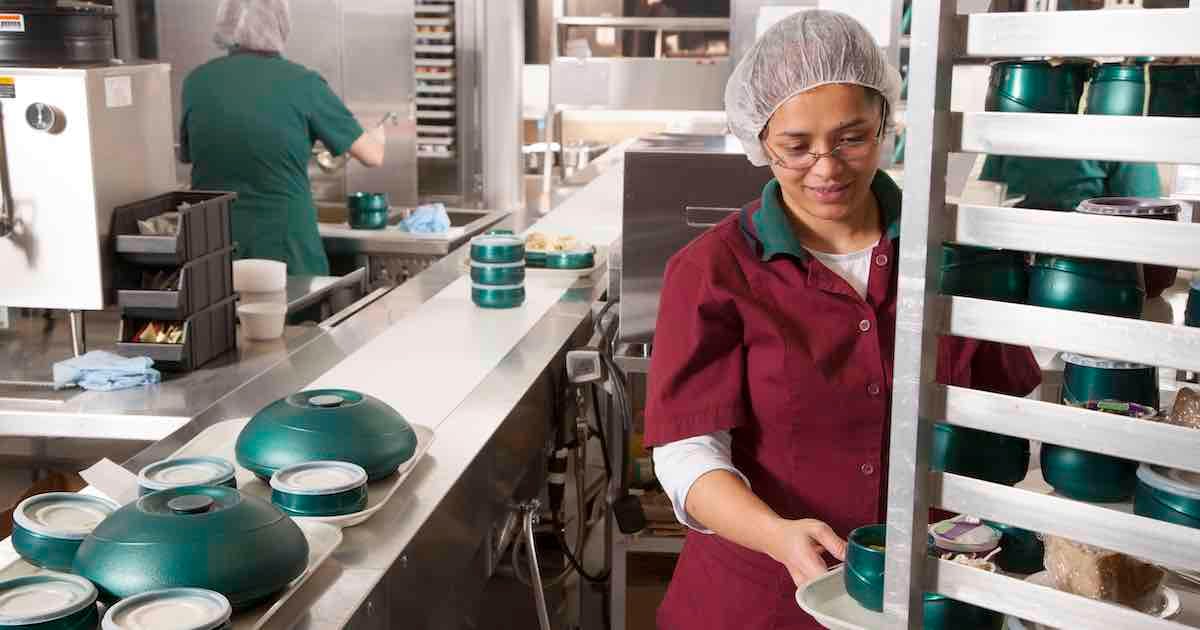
(105,372)
(428,219)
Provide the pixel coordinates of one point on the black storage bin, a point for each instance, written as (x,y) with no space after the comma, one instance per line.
(202,283)
(206,335)
(204,227)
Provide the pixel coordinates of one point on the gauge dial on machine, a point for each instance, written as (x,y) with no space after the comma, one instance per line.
(43,117)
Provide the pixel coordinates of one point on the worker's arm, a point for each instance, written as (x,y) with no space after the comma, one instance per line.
(370,147)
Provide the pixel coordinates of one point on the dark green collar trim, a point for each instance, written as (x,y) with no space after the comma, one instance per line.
(774,229)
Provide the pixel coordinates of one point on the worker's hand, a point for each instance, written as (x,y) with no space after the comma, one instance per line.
(797,545)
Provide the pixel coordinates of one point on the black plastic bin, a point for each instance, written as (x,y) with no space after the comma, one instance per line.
(204,227)
(202,283)
(206,335)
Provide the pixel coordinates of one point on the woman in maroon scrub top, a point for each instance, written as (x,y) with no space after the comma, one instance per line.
(775,337)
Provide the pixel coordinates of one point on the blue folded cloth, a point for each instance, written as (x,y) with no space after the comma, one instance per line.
(105,372)
(428,219)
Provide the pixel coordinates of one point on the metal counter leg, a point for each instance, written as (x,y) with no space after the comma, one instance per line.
(535,572)
(78,332)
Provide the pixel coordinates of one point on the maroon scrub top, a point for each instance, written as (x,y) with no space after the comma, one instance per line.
(757,337)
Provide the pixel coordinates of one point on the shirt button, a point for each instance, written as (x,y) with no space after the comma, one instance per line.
(881,260)
(867,469)
(873,389)
(864,325)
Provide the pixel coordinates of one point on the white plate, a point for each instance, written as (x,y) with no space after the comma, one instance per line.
(826,599)
(220,439)
(1170,610)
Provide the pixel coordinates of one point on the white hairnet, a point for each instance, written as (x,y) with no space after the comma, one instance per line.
(804,51)
(253,24)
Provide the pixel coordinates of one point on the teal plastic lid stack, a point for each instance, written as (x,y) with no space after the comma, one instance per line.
(1097,362)
(498,248)
(182,608)
(48,600)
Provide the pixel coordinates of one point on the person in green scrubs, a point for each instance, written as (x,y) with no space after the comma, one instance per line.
(250,120)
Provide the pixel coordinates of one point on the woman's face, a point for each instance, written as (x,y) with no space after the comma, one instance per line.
(836,187)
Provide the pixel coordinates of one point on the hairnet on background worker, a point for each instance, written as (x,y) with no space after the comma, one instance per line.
(262,25)
(806,51)
(770,382)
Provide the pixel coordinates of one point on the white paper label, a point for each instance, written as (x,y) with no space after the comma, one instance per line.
(118,91)
(12,23)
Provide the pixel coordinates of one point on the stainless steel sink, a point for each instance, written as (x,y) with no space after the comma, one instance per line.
(342,241)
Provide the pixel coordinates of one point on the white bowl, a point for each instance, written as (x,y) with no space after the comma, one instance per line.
(262,320)
(257,275)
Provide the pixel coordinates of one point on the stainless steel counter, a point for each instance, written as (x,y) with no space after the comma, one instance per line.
(339,238)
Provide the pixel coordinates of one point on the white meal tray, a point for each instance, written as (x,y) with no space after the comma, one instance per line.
(220,439)
(323,540)
(826,599)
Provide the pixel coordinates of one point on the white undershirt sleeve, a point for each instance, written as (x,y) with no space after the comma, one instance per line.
(679,464)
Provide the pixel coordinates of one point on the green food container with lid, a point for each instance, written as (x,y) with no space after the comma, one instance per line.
(1087,285)
(326,424)
(186,471)
(175,608)
(1021,551)
(498,248)
(48,601)
(209,537)
(367,211)
(1167,494)
(498,274)
(49,528)
(1086,476)
(498,297)
(1175,90)
(535,259)
(993,457)
(322,488)
(979,272)
(1191,315)
(1090,378)
(1037,86)
(577,259)
(1117,89)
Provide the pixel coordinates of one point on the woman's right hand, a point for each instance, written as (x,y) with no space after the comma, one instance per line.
(798,544)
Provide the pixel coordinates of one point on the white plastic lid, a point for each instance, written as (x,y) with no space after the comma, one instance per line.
(1180,482)
(64,515)
(1096,362)
(319,478)
(511,265)
(169,609)
(1128,206)
(964,534)
(185,471)
(504,287)
(498,240)
(44,597)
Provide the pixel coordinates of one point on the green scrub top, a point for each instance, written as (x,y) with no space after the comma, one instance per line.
(1057,184)
(249,123)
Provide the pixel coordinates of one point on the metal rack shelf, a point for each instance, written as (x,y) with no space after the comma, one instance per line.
(940,37)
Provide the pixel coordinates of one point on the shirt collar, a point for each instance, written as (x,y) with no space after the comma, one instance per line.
(774,230)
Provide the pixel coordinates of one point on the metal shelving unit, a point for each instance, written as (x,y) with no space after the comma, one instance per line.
(940,37)
(434,58)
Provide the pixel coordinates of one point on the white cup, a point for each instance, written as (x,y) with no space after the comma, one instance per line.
(258,275)
(262,321)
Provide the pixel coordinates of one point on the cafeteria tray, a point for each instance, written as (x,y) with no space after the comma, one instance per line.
(435,155)
(429,76)
(323,540)
(220,439)
(441,140)
(441,130)
(434,8)
(434,49)
(432,101)
(436,36)
(826,599)
(433,62)
(435,89)
(433,21)
(435,115)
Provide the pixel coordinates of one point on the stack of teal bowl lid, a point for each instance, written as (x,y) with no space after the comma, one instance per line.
(320,488)
(49,528)
(1087,285)
(498,271)
(367,211)
(186,471)
(49,601)
(1174,90)
(1091,378)
(1168,494)
(980,272)
(1094,477)
(190,608)
(993,457)
(1191,316)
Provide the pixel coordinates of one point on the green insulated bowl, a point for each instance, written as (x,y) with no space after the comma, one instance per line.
(1087,476)
(498,274)
(1117,90)
(498,297)
(209,537)
(326,424)
(367,211)
(48,601)
(498,248)
(970,452)
(1021,551)
(176,608)
(1087,285)
(1191,316)
(1037,86)
(186,471)
(1168,495)
(978,272)
(1175,90)
(48,528)
(1090,378)
(535,259)
(579,259)
(320,489)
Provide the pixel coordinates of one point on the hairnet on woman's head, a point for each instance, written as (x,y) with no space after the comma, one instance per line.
(253,24)
(804,51)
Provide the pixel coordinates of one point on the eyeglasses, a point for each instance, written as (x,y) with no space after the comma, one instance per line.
(846,151)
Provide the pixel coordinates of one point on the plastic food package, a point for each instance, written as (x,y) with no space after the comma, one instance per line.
(1103,575)
(165,224)
(1186,412)
(538,242)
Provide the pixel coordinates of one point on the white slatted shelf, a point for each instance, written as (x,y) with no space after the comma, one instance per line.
(1159,33)
(1074,234)
(1109,434)
(1037,603)
(1151,343)
(1171,545)
(1123,138)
